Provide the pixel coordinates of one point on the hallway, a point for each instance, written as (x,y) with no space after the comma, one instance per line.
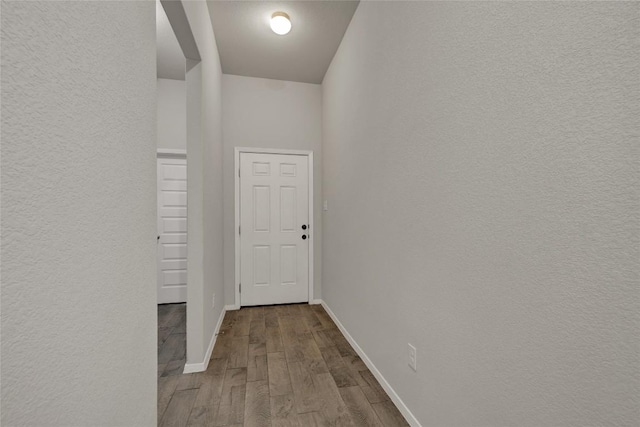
(271,366)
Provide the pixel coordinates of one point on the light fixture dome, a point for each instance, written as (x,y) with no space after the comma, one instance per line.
(280,23)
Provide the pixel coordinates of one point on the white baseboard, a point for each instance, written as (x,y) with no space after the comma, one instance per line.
(406,413)
(202,366)
(231,307)
(315,301)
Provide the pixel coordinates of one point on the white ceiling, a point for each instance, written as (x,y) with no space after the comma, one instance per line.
(248,47)
(169,57)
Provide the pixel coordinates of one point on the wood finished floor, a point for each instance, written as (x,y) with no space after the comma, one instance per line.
(285,365)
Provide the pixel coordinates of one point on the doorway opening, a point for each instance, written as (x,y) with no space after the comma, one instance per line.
(171,220)
(179,135)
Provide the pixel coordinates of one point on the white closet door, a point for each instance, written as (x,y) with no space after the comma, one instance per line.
(172,230)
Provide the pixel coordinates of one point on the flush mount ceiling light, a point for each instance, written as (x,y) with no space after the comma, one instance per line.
(280,23)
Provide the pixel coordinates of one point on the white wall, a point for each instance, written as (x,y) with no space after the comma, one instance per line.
(205,172)
(480,164)
(268,113)
(172,114)
(78,213)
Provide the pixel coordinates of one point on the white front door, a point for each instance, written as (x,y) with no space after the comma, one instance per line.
(172,230)
(274,229)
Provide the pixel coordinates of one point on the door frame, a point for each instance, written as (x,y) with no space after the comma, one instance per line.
(236,173)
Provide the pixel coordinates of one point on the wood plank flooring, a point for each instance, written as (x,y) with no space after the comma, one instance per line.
(275,366)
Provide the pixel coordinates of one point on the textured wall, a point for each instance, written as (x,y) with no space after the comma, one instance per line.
(172,114)
(267,113)
(202,321)
(78,213)
(481,169)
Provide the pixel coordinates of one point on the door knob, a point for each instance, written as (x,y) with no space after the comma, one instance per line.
(304,226)
(304,237)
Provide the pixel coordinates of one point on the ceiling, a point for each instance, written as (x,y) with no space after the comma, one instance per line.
(169,57)
(248,47)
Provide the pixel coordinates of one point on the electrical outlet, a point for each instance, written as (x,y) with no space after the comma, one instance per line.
(325,206)
(413,357)
(213,301)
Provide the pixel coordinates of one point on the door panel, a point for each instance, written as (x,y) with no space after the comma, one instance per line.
(261,265)
(172,230)
(174,225)
(274,205)
(262,208)
(288,219)
(288,264)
